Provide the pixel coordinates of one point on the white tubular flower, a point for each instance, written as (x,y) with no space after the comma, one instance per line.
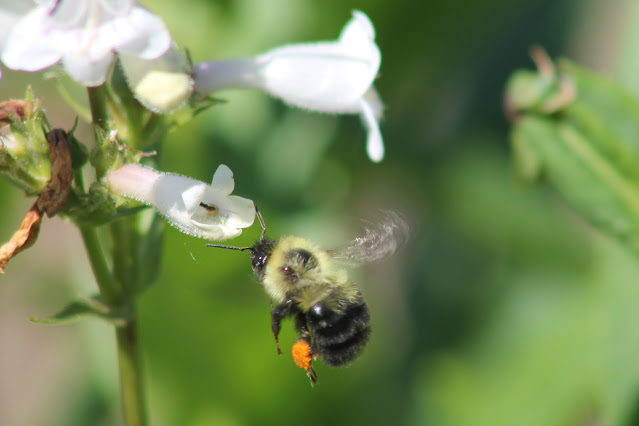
(84,36)
(162,85)
(194,207)
(332,77)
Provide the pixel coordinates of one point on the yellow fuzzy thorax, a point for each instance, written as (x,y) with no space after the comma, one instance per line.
(312,284)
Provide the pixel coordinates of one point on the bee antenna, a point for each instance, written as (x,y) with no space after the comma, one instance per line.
(259,216)
(229,247)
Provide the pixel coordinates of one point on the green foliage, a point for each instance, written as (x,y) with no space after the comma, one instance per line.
(24,151)
(96,207)
(93,307)
(79,151)
(588,149)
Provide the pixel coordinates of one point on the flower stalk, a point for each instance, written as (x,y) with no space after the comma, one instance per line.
(131,378)
(110,289)
(119,286)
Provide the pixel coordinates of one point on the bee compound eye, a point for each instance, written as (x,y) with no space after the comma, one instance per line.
(259,263)
(318,310)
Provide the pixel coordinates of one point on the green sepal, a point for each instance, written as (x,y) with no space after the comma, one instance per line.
(93,208)
(200,105)
(79,151)
(532,91)
(106,155)
(93,307)
(24,156)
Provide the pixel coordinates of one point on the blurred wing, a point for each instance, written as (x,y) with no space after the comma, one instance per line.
(380,240)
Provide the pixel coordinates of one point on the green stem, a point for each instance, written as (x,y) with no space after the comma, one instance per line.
(97,102)
(123,242)
(131,379)
(110,289)
(123,253)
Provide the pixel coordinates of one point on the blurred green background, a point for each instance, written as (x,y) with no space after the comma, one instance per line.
(505,309)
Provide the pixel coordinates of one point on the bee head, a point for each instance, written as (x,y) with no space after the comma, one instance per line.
(260,251)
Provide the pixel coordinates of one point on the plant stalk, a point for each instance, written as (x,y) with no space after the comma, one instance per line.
(110,289)
(131,377)
(123,242)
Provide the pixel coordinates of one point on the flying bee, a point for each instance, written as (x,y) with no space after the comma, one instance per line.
(331,316)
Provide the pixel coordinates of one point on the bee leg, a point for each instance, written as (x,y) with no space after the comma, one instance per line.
(278,313)
(303,358)
(312,375)
(310,372)
(302,327)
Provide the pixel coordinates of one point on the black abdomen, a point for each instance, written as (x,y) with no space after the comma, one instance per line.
(339,337)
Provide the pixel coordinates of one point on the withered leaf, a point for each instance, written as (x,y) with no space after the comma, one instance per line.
(24,238)
(53,197)
(12,109)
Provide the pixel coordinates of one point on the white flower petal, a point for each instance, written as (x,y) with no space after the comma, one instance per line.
(359,30)
(163,84)
(326,76)
(331,77)
(374,141)
(84,34)
(321,77)
(89,72)
(10,14)
(195,208)
(223,180)
(140,33)
(244,212)
(375,102)
(227,212)
(28,47)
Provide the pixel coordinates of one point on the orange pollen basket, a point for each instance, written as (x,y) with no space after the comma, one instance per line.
(302,354)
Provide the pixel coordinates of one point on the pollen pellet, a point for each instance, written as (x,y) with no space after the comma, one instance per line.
(302,354)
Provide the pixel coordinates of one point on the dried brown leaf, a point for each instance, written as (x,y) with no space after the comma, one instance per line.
(53,197)
(13,108)
(24,238)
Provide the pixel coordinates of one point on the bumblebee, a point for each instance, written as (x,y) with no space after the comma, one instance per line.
(303,281)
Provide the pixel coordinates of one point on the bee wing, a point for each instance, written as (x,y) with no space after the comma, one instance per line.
(380,240)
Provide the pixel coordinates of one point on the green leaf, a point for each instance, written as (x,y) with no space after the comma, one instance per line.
(608,114)
(595,186)
(93,307)
(588,149)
